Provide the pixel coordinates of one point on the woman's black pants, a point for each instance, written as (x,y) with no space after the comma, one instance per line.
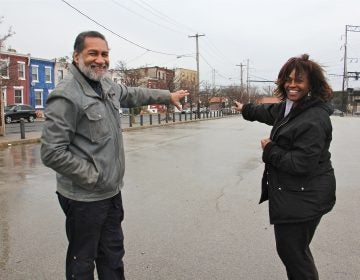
(95,236)
(292,244)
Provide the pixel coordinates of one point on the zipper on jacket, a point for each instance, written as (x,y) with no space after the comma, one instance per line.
(114,128)
(279,126)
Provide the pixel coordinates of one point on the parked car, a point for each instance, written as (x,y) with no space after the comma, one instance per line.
(186,111)
(337,112)
(202,110)
(15,112)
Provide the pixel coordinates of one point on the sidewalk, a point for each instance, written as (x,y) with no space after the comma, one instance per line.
(15,139)
(34,137)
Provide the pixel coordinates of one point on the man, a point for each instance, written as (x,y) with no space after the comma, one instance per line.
(82,142)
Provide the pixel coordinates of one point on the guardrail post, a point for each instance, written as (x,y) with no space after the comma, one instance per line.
(150,119)
(141,120)
(174,117)
(159,118)
(22,128)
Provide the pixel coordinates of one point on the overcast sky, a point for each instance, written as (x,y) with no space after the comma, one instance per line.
(264,32)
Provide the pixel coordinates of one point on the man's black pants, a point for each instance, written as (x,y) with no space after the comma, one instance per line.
(292,244)
(95,236)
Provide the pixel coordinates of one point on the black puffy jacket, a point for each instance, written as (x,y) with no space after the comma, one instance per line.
(299,179)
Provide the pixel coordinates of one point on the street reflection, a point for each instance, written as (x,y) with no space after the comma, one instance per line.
(18,162)
(18,165)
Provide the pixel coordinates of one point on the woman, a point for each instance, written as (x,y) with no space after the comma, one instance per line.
(298,180)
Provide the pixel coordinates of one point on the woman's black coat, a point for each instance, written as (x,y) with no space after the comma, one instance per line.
(299,179)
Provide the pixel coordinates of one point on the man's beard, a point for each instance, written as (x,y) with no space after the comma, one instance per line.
(89,72)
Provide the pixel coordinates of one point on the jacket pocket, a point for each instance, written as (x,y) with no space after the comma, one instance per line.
(97,123)
(293,202)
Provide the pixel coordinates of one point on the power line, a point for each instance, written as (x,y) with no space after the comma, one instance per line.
(145,18)
(161,15)
(150,9)
(116,34)
(215,49)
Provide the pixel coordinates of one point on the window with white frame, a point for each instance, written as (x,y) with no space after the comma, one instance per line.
(18,95)
(39,98)
(47,74)
(4,68)
(3,92)
(35,73)
(60,74)
(21,70)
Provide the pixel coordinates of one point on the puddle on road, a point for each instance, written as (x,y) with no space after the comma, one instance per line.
(19,166)
(19,163)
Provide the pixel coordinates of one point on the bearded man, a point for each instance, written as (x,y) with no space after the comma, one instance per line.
(82,141)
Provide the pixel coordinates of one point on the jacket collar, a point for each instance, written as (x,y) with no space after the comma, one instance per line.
(309,102)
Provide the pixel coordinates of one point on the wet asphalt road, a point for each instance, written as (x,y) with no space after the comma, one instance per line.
(191,207)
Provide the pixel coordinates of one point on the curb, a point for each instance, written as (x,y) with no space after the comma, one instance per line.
(19,142)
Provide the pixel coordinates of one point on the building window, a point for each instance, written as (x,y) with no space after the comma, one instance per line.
(18,95)
(3,92)
(60,74)
(4,68)
(47,74)
(38,98)
(21,70)
(35,73)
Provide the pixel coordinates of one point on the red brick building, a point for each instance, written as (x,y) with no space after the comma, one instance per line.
(14,72)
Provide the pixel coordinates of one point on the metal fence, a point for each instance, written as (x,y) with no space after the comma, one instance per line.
(128,121)
(163,118)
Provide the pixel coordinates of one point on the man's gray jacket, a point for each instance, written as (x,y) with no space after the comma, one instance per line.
(82,138)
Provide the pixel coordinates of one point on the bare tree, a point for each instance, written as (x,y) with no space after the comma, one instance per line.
(129,78)
(3,38)
(268,90)
(64,61)
(6,36)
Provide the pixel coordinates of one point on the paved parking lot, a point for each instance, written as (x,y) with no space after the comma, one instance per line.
(191,207)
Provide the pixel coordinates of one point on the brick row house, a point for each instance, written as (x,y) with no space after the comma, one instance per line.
(14,72)
(156,77)
(25,80)
(42,81)
(29,80)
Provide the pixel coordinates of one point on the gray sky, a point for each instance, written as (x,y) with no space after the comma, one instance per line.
(265,32)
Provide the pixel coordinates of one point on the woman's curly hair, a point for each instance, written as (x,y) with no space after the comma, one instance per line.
(319,87)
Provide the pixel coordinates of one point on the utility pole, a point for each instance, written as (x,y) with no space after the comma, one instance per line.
(247,79)
(241,74)
(345,62)
(345,83)
(197,88)
(213,73)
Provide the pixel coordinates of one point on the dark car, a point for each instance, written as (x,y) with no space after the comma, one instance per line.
(17,111)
